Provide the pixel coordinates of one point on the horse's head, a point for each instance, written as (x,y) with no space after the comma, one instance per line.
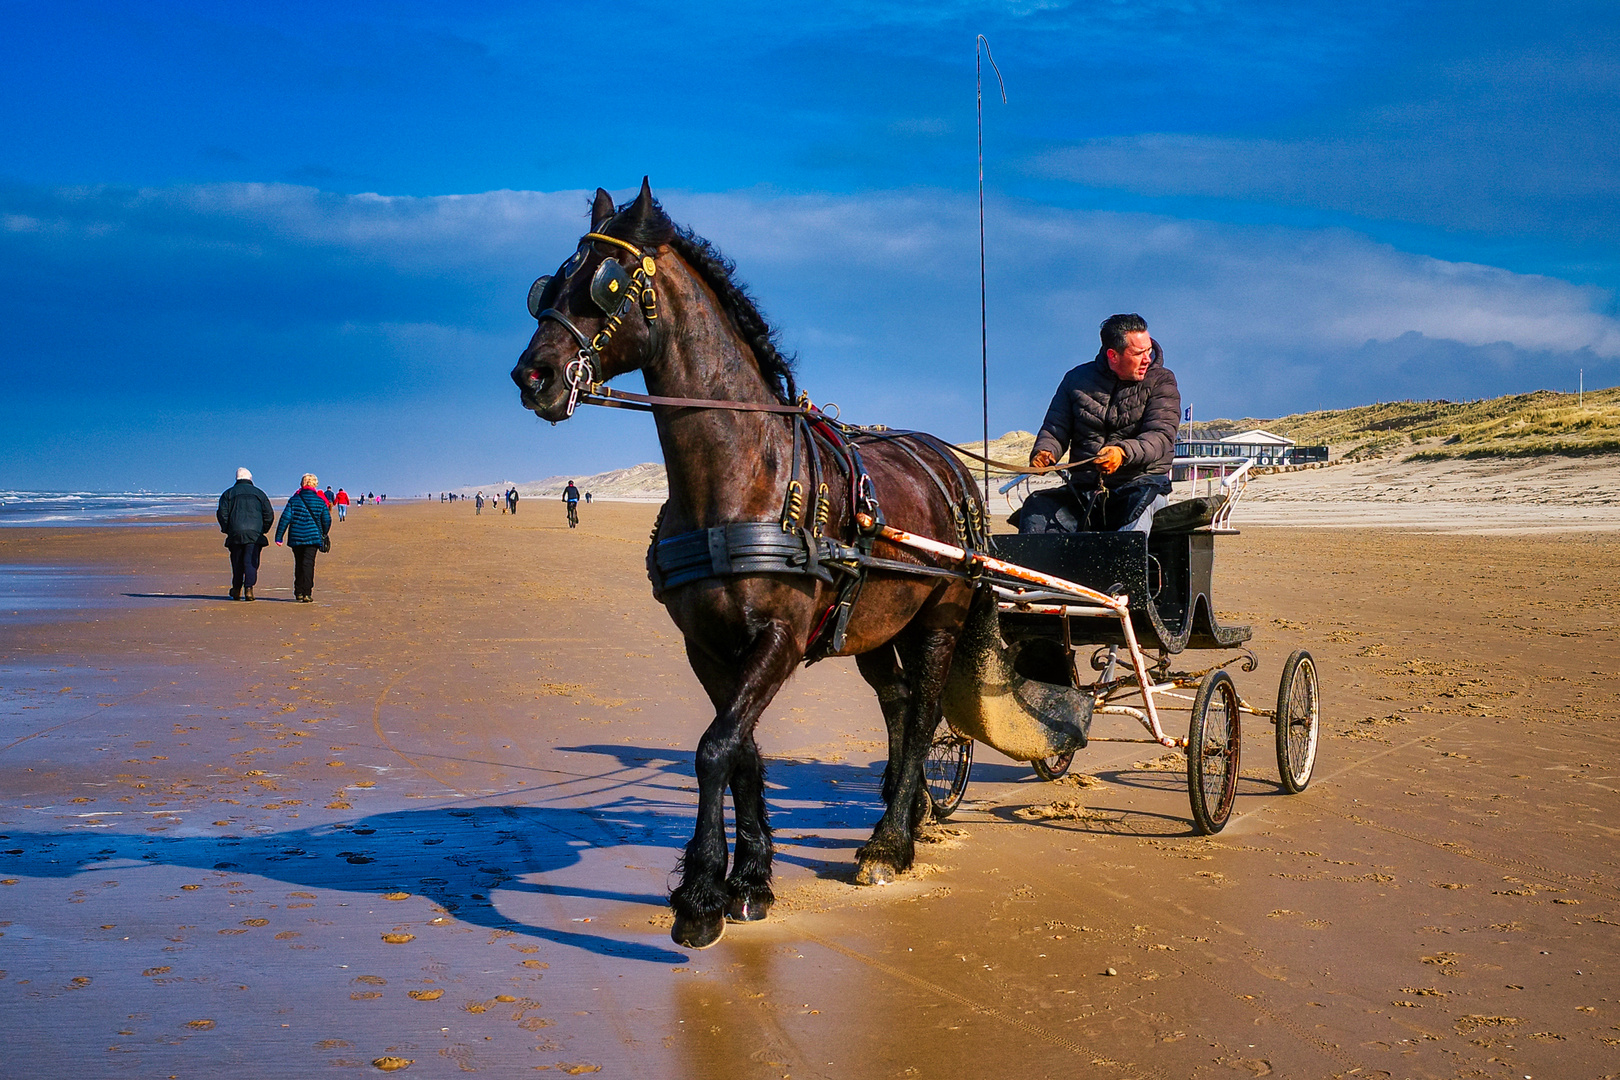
(599,314)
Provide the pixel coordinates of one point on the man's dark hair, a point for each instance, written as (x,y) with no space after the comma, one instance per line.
(1115,327)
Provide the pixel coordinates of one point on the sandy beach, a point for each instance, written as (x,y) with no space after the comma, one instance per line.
(429,822)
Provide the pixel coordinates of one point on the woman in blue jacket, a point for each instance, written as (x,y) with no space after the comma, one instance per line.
(305,521)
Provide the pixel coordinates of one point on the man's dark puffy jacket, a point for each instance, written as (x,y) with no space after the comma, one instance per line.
(245,514)
(1094,408)
(305,518)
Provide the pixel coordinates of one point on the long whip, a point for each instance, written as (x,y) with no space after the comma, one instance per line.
(984,333)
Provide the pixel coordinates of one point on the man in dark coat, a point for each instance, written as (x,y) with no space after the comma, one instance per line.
(1116,418)
(245,517)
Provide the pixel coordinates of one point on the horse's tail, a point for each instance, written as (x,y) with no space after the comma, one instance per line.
(987,699)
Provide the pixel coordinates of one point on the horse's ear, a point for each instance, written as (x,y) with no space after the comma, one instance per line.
(645,206)
(601,209)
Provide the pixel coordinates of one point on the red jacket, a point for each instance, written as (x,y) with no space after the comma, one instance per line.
(342,497)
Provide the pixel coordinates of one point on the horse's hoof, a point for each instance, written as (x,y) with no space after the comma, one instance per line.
(875,873)
(697,932)
(748,908)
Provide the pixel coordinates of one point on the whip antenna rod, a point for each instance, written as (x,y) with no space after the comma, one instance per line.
(984,334)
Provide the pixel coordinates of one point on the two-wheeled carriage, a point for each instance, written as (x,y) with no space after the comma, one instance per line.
(1117,595)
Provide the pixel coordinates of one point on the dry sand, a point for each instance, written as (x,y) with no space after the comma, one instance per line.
(432,818)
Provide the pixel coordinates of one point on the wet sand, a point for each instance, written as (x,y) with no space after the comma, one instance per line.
(433,817)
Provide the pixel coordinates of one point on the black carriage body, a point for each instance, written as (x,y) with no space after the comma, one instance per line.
(1166,575)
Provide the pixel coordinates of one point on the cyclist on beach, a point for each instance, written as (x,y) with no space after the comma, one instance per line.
(571,497)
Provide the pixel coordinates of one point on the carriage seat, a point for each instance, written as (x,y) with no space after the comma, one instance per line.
(1188,514)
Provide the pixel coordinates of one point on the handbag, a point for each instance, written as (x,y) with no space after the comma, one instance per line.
(326,543)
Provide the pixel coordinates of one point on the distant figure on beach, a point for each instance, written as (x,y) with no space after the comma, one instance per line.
(343,505)
(571,497)
(308,521)
(512,500)
(587,498)
(245,517)
(329,496)
(478,503)
(506,501)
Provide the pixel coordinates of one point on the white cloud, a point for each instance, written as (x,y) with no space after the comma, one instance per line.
(879,292)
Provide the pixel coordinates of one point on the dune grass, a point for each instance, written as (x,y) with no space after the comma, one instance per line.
(1520,425)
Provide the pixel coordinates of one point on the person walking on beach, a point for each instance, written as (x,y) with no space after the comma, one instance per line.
(478,504)
(245,517)
(343,505)
(330,498)
(571,497)
(308,521)
(513,498)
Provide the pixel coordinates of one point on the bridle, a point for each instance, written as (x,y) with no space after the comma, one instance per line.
(613,291)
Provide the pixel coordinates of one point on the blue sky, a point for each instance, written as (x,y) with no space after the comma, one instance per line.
(298,236)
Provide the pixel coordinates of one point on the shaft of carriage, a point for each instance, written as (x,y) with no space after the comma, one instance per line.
(1093,604)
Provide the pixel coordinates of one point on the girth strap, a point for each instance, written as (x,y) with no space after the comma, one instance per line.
(742,547)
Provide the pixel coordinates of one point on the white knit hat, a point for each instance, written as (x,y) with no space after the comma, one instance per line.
(243,474)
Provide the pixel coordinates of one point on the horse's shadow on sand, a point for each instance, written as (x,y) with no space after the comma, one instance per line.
(459,857)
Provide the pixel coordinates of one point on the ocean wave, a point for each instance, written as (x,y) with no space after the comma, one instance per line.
(99,508)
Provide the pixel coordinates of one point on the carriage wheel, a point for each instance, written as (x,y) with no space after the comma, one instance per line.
(1053,767)
(1297,721)
(945,770)
(1213,743)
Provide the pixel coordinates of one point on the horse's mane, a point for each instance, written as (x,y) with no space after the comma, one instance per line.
(717,272)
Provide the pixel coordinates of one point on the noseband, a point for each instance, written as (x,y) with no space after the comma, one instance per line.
(614,292)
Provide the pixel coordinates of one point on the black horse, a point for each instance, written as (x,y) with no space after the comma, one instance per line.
(640,292)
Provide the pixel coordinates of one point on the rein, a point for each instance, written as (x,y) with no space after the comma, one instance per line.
(614,294)
(597,393)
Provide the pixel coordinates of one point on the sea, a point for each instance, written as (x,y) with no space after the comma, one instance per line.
(104,508)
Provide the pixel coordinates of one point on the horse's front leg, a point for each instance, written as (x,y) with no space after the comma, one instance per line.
(927,659)
(748,887)
(728,757)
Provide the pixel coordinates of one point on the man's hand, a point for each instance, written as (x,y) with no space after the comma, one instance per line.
(1109,458)
(1042,458)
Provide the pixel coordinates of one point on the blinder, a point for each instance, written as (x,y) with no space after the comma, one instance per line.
(610,287)
(537,293)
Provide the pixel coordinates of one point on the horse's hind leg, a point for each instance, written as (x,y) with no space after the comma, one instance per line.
(728,757)
(926,655)
(881,670)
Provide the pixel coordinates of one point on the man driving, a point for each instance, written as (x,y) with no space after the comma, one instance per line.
(1116,419)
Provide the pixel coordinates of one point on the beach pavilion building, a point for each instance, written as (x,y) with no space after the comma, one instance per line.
(1203,457)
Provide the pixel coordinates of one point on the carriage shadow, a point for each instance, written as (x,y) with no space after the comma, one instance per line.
(461,857)
(1102,818)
